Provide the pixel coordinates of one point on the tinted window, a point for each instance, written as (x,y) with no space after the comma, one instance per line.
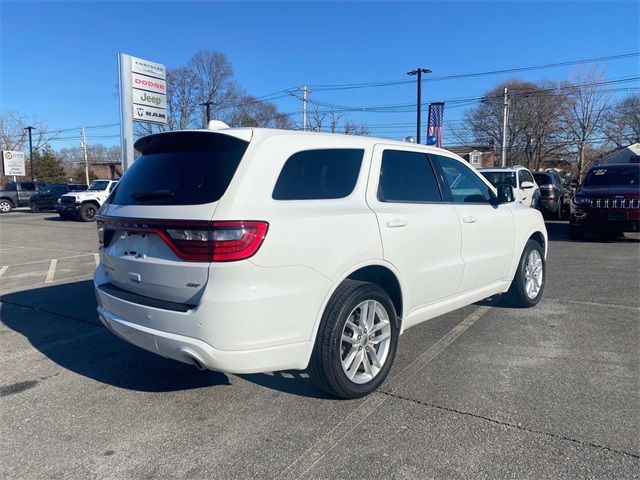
(319,174)
(407,177)
(465,186)
(59,189)
(605,176)
(498,178)
(28,186)
(10,187)
(543,178)
(180,168)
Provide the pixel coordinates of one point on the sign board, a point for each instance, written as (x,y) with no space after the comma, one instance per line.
(145,67)
(142,113)
(13,163)
(143,98)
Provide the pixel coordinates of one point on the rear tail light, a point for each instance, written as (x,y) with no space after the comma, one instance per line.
(225,241)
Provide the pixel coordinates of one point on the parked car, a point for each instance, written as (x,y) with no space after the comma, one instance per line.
(17,194)
(47,198)
(555,195)
(520,178)
(85,205)
(608,201)
(256,250)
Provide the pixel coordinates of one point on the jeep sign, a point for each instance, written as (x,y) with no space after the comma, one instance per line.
(143,98)
(13,163)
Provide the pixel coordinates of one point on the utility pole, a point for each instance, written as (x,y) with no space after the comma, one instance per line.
(30,151)
(504,128)
(305,92)
(207,104)
(419,72)
(86,161)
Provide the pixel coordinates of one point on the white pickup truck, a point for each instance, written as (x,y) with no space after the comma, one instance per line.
(85,205)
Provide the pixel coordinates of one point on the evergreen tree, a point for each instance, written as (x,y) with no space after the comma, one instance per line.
(47,166)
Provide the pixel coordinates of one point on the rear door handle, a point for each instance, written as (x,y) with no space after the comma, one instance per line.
(469,219)
(396,223)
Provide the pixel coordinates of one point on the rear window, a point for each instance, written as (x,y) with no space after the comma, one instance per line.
(543,178)
(319,174)
(181,168)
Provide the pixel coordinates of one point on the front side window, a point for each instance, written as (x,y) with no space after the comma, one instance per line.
(407,177)
(319,174)
(98,185)
(28,186)
(464,184)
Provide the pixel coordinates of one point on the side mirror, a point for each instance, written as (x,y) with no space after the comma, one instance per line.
(506,193)
(526,185)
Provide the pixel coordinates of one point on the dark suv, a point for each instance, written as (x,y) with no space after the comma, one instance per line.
(46,199)
(607,202)
(555,196)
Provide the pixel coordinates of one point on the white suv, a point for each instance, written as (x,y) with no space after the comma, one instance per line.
(256,250)
(520,178)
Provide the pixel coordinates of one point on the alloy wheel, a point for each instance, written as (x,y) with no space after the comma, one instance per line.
(365,341)
(533,274)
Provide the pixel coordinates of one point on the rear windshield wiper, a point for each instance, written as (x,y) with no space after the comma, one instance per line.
(153,195)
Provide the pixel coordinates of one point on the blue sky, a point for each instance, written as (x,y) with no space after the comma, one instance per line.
(58,59)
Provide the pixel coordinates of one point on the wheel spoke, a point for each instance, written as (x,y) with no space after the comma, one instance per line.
(379,326)
(348,339)
(371,314)
(364,312)
(351,356)
(351,372)
(366,363)
(373,355)
(380,338)
(353,327)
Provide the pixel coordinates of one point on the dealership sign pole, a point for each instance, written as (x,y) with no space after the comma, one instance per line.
(143,98)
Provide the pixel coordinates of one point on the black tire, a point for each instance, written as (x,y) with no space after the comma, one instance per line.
(575,232)
(88,212)
(517,295)
(34,207)
(5,206)
(326,368)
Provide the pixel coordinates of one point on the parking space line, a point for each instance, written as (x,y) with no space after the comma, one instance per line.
(3,269)
(52,270)
(48,260)
(96,257)
(305,462)
(595,304)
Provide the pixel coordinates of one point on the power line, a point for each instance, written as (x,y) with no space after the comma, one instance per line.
(328,87)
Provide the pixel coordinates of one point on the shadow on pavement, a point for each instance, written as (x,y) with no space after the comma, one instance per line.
(559,232)
(51,315)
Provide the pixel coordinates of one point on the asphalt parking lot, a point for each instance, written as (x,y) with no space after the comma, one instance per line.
(483,392)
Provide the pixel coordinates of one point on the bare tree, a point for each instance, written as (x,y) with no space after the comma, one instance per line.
(621,122)
(587,103)
(334,122)
(251,112)
(13,135)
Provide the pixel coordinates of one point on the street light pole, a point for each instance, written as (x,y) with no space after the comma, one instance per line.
(29,128)
(419,72)
(207,104)
(505,118)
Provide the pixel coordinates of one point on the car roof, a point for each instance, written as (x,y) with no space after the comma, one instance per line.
(503,169)
(246,133)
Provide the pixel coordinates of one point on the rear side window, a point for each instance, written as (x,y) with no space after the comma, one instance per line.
(28,186)
(180,168)
(319,174)
(543,178)
(407,177)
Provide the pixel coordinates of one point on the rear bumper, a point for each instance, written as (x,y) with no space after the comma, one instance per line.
(249,319)
(194,351)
